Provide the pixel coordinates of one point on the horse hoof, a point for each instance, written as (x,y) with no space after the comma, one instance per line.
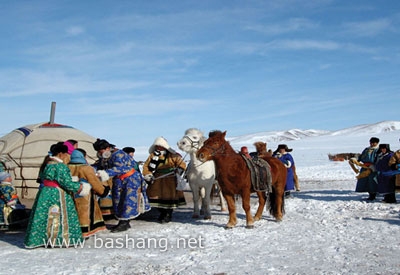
(207,217)
(229,226)
(195,216)
(249,226)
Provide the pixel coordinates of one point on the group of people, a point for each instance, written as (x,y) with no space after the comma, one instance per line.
(283,154)
(380,171)
(66,209)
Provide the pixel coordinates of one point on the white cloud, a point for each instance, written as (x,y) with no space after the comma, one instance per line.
(75,30)
(368,28)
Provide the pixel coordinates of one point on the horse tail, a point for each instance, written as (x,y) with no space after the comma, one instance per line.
(271,203)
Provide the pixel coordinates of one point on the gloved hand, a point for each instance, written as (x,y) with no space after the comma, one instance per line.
(179,171)
(394,166)
(12,203)
(149,178)
(102,174)
(85,190)
(106,191)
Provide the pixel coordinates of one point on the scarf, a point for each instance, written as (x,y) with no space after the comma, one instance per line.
(158,157)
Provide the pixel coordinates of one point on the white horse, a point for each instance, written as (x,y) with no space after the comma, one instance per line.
(200,175)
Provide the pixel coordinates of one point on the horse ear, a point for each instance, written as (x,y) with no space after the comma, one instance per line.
(224,134)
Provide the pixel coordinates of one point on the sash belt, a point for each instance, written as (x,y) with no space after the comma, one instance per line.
(127,174)
(50,183)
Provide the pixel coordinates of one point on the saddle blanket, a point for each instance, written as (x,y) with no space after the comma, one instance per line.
(260,173)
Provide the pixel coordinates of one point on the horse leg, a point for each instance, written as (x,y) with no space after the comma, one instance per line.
(261,203)
(196,210)
(232,211)
(246,206)
(202,193)
(224,206)
(206,201)
(277,202)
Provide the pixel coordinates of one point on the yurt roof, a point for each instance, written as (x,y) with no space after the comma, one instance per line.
(28,145)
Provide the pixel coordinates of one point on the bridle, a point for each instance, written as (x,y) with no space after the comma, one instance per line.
(215,151)
(193,144)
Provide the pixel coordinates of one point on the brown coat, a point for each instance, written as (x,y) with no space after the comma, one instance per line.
(393,160)
(89,213)
(162,192)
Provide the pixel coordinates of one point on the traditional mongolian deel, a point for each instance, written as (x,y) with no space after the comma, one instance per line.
(89,213)
(54,220)
(129,182)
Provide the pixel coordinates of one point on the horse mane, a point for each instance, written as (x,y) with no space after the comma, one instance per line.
(214,132)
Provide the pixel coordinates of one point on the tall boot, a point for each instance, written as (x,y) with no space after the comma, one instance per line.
(168,216)
(123,225)
(390,198)
(162,215)
(371,197)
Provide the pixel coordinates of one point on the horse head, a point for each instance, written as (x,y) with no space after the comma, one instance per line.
(212,146)
(261,148)
(191,141)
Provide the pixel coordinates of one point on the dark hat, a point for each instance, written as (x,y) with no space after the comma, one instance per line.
(374,140)
(384,145)
(101,144)
(284,146)
(128,150)
(57,148)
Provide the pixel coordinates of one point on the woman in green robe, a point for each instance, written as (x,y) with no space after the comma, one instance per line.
(54,221)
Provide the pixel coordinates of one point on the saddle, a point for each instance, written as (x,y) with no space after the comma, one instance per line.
(260,173)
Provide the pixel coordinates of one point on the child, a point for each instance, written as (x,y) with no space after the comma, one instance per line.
(8,199)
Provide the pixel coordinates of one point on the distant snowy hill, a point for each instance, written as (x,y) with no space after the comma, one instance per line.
(297,134)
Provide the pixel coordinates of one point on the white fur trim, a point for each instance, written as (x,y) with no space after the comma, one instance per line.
(86,187)
(103,175)
(160,141)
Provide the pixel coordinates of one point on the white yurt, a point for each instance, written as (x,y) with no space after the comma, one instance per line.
(23,150)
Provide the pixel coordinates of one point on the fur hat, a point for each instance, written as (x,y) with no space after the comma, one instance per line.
(374,140)
(77,157)
(161,141)
(284,146)
(4,175)
(101,144)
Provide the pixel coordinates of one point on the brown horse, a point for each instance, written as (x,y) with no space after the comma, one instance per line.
(234,177)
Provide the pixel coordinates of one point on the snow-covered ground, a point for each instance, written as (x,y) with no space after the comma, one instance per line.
(327,229)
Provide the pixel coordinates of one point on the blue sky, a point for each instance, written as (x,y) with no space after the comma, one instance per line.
(130,71)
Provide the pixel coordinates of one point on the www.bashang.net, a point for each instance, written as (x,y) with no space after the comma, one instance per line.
(158,243)
(128,242)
